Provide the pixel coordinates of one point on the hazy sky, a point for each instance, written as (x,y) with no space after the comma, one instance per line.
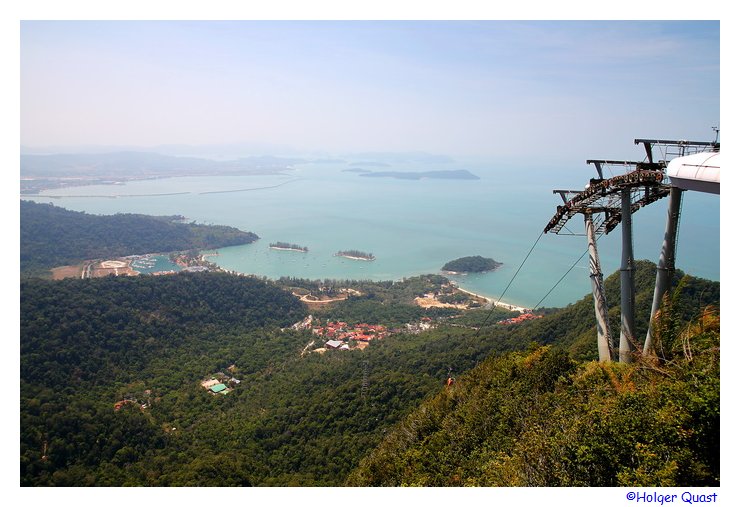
(553,88)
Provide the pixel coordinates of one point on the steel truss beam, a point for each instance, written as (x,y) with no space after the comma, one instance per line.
(604,196)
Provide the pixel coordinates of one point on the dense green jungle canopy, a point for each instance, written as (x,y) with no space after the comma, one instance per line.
(378,416)
(542,419)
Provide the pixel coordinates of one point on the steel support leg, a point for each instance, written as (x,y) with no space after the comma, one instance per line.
(627,282)
(666,264)
(603,335)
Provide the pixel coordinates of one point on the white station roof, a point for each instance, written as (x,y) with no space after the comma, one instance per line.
(699,172)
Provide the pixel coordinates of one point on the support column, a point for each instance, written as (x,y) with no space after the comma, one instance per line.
(603,335)
(627,282)
(666,264)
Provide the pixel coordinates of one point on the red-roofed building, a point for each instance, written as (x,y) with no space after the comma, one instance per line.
(519,319)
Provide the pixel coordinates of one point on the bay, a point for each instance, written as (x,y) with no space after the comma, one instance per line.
(412,227)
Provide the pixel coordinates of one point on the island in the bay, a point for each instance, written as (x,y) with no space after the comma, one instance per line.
(356,255)
(471,264)
(281,245)
(461,174)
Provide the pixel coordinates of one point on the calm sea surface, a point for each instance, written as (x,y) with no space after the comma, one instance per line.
(412,227)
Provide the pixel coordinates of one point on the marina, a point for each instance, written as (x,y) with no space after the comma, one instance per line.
(155,263)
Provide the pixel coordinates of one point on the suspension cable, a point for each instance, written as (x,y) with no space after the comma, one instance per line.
(558,282)
(564,275)
(519,269)
(493,307)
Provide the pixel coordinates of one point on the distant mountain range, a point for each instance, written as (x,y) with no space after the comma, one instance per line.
(43,171)
(134,164)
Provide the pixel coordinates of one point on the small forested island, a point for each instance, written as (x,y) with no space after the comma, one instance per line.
(356,254)
(281,245)
(472,264)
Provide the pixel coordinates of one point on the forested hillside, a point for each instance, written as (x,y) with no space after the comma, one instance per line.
(294,418)
(53,236)
(574,328)
(542,419)
(86,344)
(553,416)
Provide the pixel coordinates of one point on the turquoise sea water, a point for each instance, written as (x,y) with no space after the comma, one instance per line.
(412,227)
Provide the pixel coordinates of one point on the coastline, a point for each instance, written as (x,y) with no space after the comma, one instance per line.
(500,304)
(463,273)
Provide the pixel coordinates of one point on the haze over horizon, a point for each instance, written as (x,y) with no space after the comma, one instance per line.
(547,90)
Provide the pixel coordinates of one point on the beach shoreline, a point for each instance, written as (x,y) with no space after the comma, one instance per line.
(499,304)
(354,258)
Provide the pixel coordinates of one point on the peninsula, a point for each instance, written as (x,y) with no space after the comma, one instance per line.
(356,255)
(52,236)
(472,264)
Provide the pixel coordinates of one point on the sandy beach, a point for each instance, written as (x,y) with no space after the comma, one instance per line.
(354,258)
(500,304)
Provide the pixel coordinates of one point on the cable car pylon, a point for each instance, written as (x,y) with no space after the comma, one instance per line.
(604,204)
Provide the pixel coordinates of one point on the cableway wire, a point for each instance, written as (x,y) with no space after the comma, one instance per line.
(548,292)
(563,277)
(493,307)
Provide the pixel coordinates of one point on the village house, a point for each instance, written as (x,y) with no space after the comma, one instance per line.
(207,384)
(339,334)
(519,319)
(216,384)
(219,388)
